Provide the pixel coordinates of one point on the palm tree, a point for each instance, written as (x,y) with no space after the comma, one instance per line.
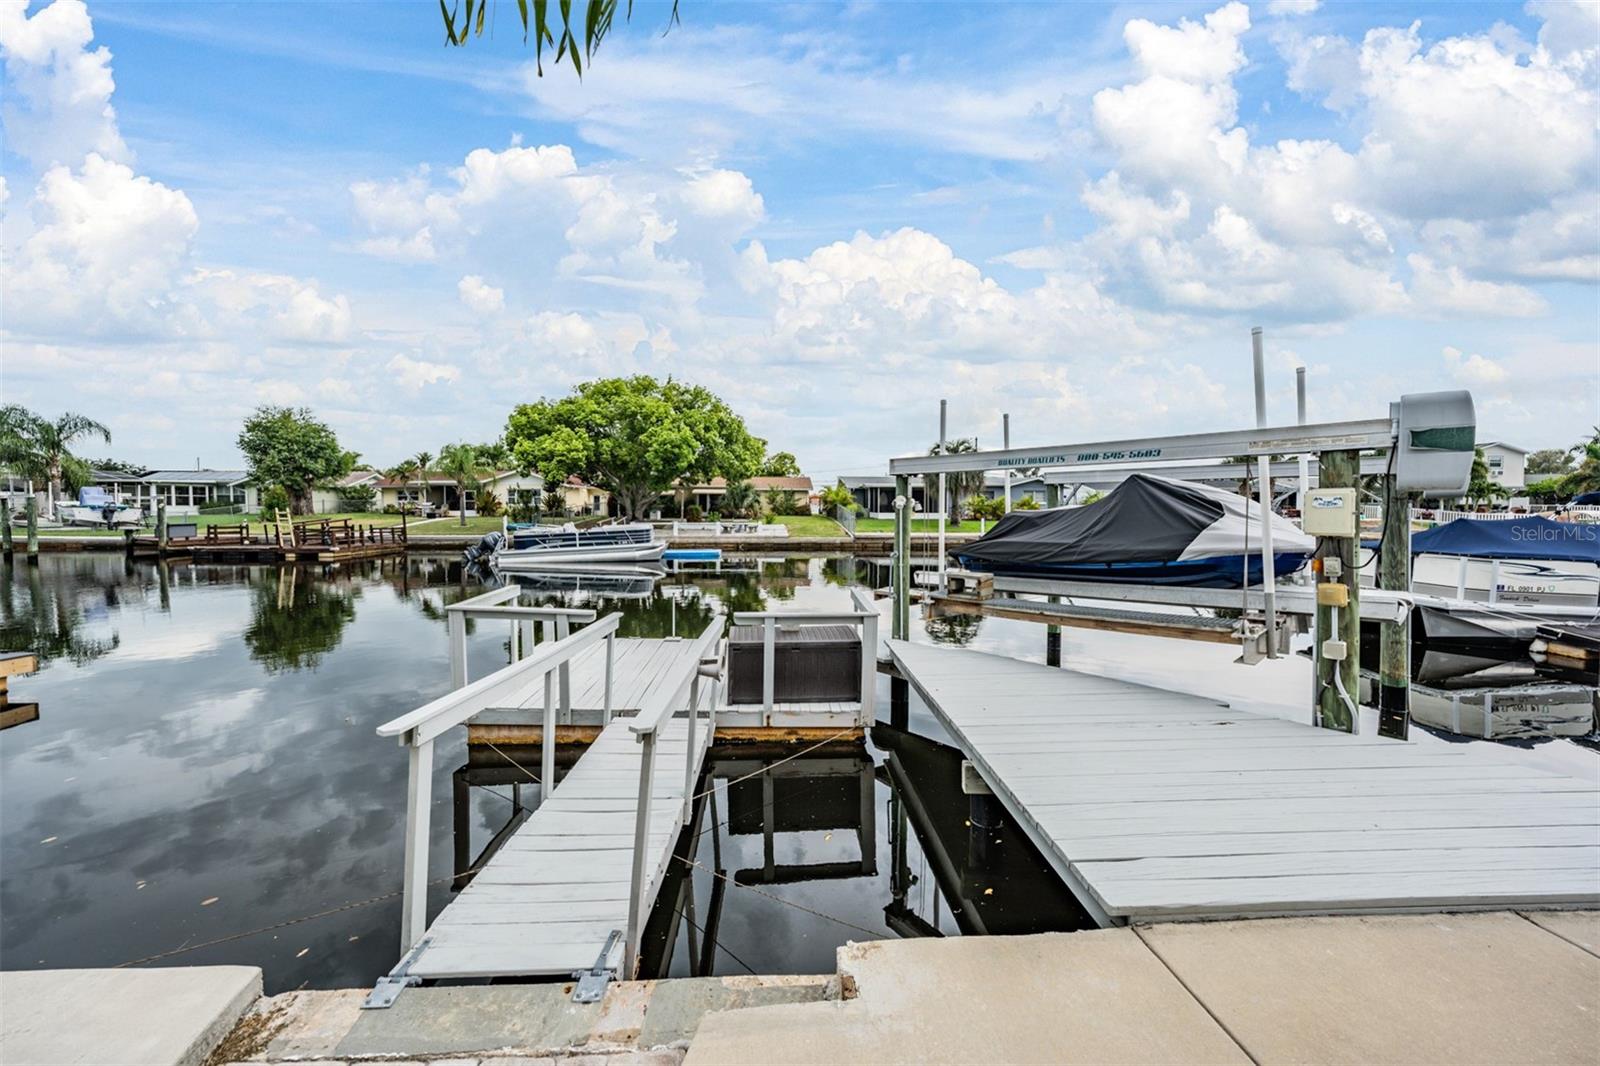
(422,459)
(1586,478)
(739,498)
(836,496)
(460,461)
(35,447)
(959,484)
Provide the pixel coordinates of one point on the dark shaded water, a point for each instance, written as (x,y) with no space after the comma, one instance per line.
(204,765)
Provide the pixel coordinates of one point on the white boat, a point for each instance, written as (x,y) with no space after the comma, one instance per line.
(1556,582)
(547,547)
(1493,582)
(99,509)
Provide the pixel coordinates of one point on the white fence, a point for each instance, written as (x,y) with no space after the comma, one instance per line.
(729,529)
(1555,512)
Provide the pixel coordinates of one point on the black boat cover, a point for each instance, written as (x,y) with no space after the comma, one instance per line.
(1145,519)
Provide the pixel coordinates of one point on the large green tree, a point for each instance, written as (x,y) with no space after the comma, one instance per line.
(1549,461)
(634,437)
(288,447)
(40,448)
(780,464)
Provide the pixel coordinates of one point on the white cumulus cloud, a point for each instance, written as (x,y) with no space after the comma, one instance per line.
(480,296)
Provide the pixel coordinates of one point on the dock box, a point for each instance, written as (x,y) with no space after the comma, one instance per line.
(811,664)
(182,530)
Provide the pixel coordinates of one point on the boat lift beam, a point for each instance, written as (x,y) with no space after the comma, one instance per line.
(1365,434)
(1097,476)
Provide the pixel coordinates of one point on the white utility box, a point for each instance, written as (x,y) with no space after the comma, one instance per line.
(1329,513)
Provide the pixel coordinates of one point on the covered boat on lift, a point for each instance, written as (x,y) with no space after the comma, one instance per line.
(1147,531)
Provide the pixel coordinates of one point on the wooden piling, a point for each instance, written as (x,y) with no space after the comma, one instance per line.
(161,527)
(33,529)
(1339,470)
(6,545)
(1394,573)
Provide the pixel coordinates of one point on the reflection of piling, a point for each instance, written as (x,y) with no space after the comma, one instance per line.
(984,818)
(899,703)
(33,529)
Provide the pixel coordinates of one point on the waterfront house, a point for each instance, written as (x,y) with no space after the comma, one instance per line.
(708,495)
(438,492)
(1508,469)
(874,494)
(331,500)
(1033,488)
(184,491)
(578,497)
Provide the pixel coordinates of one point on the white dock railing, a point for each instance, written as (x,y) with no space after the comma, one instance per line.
(865,617)
(510,686)
(680,688)
(501,603)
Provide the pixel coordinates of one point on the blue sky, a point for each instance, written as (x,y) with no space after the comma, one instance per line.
(833,215)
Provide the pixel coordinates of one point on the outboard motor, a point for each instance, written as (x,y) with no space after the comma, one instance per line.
(485,548)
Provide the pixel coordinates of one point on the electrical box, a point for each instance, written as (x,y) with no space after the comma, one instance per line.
(1436,438)
(1329,513)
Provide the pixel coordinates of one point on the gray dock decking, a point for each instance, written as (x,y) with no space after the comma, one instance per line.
(1156,805)
(547,900)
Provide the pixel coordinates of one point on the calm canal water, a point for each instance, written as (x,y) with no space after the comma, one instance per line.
(204,767)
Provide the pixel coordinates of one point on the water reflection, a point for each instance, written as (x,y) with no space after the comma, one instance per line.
(298,616)
(45,609)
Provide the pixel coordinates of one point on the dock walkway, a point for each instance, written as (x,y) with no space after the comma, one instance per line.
(1156,805)
(547,900)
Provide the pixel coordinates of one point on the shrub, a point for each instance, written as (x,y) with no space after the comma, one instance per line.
(488,503)
(274,498)
(691,513)
(784,502)
(358,498)
(1027,503)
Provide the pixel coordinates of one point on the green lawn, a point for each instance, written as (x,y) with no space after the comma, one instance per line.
(809,525)
(477,525)
(918,525)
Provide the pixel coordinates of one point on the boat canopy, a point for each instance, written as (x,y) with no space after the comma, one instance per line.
(1530,537)
(1146,519)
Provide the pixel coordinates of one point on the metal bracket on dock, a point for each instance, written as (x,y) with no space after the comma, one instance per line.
(389,986)
(593,981)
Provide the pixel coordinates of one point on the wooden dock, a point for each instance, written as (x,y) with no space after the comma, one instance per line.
(308,540)
(1157,805)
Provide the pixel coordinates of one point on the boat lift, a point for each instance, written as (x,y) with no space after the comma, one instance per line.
(1429,438)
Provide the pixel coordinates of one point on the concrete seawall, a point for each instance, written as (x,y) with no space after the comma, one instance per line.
(1489,988)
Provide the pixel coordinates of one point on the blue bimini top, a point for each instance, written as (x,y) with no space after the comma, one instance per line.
(1530,537)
